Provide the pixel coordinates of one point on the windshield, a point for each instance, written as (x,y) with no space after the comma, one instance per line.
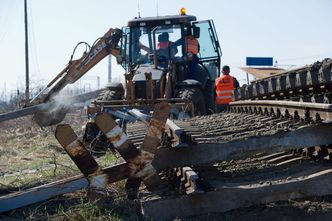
(161,39)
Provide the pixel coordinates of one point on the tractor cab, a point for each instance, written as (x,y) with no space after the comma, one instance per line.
(160,65)
(161,40)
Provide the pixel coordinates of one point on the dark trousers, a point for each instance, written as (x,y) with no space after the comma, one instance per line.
(192,67)
(221,107)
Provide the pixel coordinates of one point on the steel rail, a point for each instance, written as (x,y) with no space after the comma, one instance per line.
(302,110)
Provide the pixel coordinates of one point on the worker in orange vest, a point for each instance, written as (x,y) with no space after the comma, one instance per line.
(192,49)
(165,47)
(225,85)
(163,41)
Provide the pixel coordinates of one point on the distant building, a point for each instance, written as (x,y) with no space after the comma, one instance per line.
(262,72)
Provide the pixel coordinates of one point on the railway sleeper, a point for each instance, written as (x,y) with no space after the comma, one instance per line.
(291,178)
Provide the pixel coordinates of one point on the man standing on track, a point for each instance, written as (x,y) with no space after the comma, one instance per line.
(225,86)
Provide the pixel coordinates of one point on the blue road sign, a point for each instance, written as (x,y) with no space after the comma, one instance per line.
(259,61)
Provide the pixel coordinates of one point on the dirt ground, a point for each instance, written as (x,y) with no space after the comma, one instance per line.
(314,209)
(30,155)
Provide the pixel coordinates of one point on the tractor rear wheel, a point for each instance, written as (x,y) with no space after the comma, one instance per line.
(114,91)
(93,137)
(196,96)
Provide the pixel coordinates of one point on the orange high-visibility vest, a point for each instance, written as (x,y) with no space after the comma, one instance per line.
(164,44)
(224,89)
(192,44)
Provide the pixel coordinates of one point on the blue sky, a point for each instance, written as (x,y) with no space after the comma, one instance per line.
(294,32)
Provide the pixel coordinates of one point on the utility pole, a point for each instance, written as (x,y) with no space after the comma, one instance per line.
(5,88)
(248,83)
(27,96)
(98,82)
(109,69)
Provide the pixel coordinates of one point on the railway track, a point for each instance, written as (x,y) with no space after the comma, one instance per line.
(312,83)
(236,184)
(258,179)
(257,152)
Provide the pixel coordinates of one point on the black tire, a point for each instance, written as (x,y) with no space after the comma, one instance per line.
(92,135)
(195,95)
(113,92)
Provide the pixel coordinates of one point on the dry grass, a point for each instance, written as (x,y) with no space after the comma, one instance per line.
(76,206)
(30,156)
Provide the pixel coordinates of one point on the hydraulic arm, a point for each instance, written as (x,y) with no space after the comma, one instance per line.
(75,69)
